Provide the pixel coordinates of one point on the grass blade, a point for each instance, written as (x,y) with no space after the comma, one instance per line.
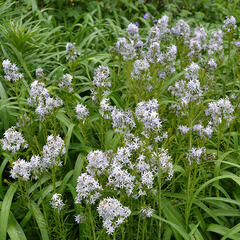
(179,229)
(39,219)
(6,205)
(14,229)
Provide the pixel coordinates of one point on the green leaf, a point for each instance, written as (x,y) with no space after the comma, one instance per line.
(67,140)
(218,163)
(222,230)
(195,232)
(232,232)
(78,168)
(2,167)
(65,181)
(179,229)
(36,212)
(6,205)
(171,213)
(47,190)
(14,229)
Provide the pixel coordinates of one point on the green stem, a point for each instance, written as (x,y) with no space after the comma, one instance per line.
(28,202)
(187,210)
(143,230)
(81,127)
(159,203)
(102,133)
(119,66)
(123,233)
(219,140)
(43,205)
(61,227)
(92,223)
(218,151)
(138,229)
(54,179)
(229,62)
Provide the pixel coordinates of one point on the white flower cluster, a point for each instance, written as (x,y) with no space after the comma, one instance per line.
(131,170)
(25,170)
(45,108)
(212,64)
(105,108)
(220,110)
(183,129)
(147,179)
(122,121)
(147,113)
(236,43)
(121,179)
(182,29)
(229,24)
(198,41)
(132,142)
(71,52)
(187,91)
(159,31)
(154,35)
(199,128)
(203,132)
(82,112)
(200,34)
(132,31)
(80,218)
(126,48)
(39,73)
(40,98)
(66,82)
(162,162)
(98,161)
(196,154)
(215,44)
(170,57)
(146,212)
(13,140)
(21,169)
(191,72)
(87,189)
(153,52)
(101,75)
(141,165)
(57,202)
(37,165)
(53,150)
(122,157)
(162,25)
(101,83)
(149,52)
(38,93)
(11,71)
(140,69)
(113,213)
(166,59)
